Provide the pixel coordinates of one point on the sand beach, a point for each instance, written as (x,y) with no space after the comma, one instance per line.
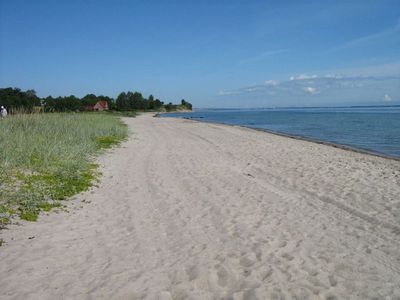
(191,210)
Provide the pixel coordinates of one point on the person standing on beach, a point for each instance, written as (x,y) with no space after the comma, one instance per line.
(3,112)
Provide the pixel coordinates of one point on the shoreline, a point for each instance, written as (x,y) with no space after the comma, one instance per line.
(301,138)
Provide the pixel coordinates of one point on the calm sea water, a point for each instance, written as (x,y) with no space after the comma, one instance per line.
(375,129)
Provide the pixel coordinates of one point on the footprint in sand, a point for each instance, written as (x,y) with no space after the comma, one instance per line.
(282,244)
(223,276)
(192,272)
(248,260)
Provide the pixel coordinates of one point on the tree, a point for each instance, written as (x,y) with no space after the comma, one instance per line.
(122,102)
(89,99)
(69,103)
(15,99)
(170,107)
(158,104)
(151,102)
(186,104)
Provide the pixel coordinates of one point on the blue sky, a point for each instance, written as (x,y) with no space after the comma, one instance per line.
(212,53)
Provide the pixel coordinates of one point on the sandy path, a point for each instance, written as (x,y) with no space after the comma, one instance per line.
(203,211)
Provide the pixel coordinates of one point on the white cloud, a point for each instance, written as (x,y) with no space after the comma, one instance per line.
(252,89)
(271,82)
(379,70)
(310,90)
(303,77)
(334,76)
(387,98)
(388,69)
(224,93)
(320,90)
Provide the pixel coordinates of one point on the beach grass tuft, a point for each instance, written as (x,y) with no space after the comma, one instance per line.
(125,113)
(46,158)
(106,141)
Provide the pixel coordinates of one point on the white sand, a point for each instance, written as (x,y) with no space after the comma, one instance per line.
(189,210)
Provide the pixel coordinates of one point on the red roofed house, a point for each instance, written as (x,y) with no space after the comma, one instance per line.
(99,106)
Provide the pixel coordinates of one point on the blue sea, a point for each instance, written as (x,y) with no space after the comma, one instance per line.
(375,129)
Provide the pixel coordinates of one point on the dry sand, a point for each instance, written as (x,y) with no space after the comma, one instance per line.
(189,210)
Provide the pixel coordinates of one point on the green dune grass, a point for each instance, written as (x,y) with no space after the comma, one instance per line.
(45,158)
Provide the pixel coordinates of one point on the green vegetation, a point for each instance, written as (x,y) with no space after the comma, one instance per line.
(106,141)
(135,101)
(15,100)
(126,113)
(46,158)
(183,106)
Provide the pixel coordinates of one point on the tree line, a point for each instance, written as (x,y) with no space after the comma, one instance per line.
(16,99)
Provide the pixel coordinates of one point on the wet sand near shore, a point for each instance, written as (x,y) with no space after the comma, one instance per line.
(190,210)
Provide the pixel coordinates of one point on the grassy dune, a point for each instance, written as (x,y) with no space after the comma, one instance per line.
(45,158)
